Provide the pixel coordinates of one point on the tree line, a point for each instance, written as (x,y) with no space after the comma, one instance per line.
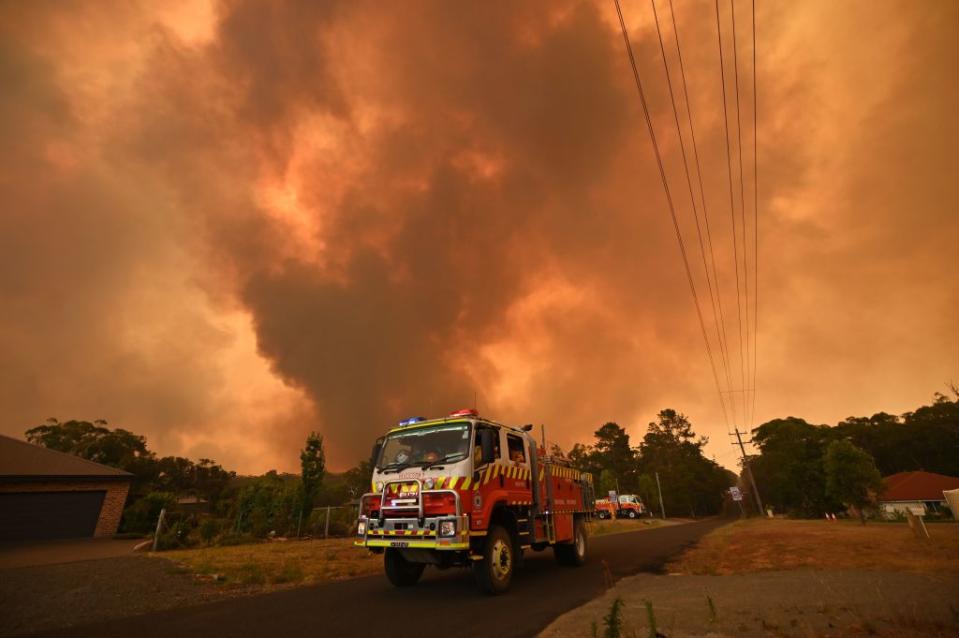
(207,503)
(801,469)
(807,470)
(691,484)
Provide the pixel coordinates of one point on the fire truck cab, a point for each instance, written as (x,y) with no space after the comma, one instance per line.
(466,491)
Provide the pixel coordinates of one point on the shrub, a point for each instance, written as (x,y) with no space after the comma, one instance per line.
(141,517)
(209,529)
(175,536)
(229,539)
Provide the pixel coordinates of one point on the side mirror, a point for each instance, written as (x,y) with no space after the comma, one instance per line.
(528,427)
(375,454)
(486,443)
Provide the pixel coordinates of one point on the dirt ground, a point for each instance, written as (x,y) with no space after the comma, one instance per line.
(801,603)
(764,544)
(48,596)
(792,578)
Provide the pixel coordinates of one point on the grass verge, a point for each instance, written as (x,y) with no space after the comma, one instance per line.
(273,565)
(278,564)
(763,544)
(619,525)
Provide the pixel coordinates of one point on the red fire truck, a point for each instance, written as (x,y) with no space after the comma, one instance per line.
(466,491)
(619,506)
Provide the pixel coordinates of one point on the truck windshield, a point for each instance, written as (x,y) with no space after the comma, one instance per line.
(425,446)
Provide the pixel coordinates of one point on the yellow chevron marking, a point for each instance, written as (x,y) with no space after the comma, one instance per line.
(465,483)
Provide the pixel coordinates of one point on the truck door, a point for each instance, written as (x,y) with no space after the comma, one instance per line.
(517,479)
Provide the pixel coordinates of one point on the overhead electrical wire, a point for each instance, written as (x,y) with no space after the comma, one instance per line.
(732,206)
(721,327)
(742,200)
(752,412)
(669,201)
(692,197)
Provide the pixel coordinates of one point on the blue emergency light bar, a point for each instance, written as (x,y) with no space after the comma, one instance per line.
(411,421)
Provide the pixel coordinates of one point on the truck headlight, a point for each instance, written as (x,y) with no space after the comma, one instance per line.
(447,528)
(429,483)
(379,486)
(361,528)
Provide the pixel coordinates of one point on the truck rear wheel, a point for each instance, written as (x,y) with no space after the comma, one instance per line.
(631,513)
(399,571)
(494,572)
(604,514)
(573,553)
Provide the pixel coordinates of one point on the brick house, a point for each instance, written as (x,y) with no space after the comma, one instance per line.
(45,494)
(917,492)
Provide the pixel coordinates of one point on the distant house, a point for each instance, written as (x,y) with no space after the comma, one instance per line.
(918,492)
(45,494)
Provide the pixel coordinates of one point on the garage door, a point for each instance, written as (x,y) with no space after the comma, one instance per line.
(48,515)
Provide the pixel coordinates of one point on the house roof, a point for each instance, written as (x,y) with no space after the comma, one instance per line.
(22,460)
(917,486)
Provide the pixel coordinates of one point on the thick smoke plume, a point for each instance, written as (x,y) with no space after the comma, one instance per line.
(225,225)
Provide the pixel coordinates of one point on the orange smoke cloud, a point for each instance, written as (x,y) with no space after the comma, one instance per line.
(227,225)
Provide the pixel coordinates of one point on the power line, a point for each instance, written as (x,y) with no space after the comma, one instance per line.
(742,190)
(752,410)
(732,206)
(724,341)
(692,197)
(669,201)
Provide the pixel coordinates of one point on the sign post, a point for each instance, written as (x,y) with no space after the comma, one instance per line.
(737,495)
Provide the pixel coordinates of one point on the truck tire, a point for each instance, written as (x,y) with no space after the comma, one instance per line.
(494,572)
(631,513)
(604,515)
(573,554)
(399,571)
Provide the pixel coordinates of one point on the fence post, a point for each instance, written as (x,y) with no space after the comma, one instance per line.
(156,534)
(326,526)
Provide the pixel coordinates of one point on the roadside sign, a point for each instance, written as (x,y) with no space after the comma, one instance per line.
(736,493)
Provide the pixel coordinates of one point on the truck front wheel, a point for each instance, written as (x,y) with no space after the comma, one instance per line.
(399,571)
(573,553)
(494,571)
(631,513)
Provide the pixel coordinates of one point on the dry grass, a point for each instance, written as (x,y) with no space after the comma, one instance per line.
(619,525)
(274,565)
(279,564)
(763,544)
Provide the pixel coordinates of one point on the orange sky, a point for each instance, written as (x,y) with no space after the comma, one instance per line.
(226,224)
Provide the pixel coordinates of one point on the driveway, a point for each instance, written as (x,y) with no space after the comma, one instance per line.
(64,551)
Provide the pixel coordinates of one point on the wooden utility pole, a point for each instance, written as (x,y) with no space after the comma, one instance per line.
(156,534)
(748,468)
(662,507)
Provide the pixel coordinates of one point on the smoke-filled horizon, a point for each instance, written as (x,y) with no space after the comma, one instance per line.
(226,224)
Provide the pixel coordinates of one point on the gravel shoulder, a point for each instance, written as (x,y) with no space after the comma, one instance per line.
(52,596)
(802,602)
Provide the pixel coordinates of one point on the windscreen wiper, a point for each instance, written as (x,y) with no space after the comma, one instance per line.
(394,467)
(445,459)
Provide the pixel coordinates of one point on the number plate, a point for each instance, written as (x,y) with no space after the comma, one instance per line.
(399,543)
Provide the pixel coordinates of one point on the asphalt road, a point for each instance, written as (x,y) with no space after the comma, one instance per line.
(444,602)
